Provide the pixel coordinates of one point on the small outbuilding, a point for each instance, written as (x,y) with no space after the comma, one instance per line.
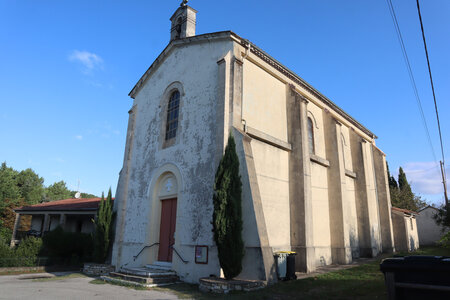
(404,224)
(73,215)
(429,231)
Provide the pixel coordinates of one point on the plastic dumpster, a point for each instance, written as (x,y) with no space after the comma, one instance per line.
(285,261)
(417,277)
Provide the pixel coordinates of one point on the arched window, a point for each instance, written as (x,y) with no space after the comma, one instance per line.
(172,115)
(311,136)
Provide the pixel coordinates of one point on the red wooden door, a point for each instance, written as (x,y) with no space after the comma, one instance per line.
(167,229)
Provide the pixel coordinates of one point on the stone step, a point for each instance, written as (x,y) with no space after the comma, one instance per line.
(134,283)
(162,265)
(147,272)
(144,279)
(221,285)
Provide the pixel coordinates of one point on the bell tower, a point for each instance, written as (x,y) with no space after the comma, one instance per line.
(183,22)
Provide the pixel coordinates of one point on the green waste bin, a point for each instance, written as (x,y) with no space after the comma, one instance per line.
(285,261)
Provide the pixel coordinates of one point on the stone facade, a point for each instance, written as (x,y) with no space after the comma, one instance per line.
(330,205)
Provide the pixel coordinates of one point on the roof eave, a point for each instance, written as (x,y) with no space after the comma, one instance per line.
(53,209)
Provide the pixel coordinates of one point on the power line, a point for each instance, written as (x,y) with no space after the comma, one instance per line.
(420,171)
(411,76)
(431,80)
(435,103)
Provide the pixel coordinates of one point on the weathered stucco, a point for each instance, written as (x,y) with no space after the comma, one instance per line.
(193,154)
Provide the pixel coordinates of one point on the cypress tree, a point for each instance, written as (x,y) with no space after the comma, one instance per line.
(227,215)
(103,228)
(406,196)
(392,182)
(403,183)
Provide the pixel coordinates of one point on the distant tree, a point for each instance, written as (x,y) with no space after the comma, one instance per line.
(31,186)
(227,214)
(8,184)
(17,189)
(402,195)
(57,191)
(103,228)
(25,185)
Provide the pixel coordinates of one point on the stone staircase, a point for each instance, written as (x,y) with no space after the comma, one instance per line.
(156,274)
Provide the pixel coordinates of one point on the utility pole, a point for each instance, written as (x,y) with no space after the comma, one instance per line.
(445,184)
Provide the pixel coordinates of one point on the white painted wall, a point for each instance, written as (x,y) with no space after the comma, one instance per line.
(429,232)
(272,170)
(264,102)
(412,234)
(321,214)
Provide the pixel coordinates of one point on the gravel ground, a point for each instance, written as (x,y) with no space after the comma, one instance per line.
(27,287)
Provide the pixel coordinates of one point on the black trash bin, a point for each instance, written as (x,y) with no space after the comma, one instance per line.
(290,269)
(417,277)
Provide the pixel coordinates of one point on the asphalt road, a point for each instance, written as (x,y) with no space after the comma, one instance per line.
(24,287)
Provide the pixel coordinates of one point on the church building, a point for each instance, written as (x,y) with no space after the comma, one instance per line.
(313,180)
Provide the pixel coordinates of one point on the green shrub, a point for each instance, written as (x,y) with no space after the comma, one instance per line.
(24,255)
(70,248)
(5,235)
(28,251)
(6,255)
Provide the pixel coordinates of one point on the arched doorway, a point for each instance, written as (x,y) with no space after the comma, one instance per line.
(168,199)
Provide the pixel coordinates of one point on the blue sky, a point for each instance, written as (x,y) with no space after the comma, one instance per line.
(66,68)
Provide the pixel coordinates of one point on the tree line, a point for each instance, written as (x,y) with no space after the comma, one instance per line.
(402,195)
(26,187)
